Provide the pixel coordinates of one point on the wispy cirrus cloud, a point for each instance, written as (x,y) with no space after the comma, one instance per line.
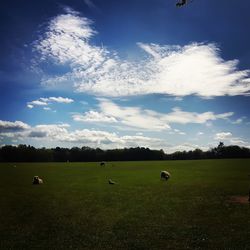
(238,121)
(177,131)
(200,133)
(145,119)
(47,101)
(91,5)
(127,116)
(193,69)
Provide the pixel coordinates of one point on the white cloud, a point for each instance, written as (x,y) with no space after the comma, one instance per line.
(7,126)
(84,103)
(50,131)
(57,134)
(145,119)
(103,139)
(142,141)
(127,116)
(196,68)
(238,121)
(47,101)
(58,99)
(230,139)
(67,41)
(185,147)
(223,136)
(178,98)
(36,103)
(90,4)
(61,135)
(177,131)
(183,117)
(93,116)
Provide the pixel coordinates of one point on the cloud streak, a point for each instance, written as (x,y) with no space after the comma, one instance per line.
(135,117)
(47,101)
(193,69)
(91,4)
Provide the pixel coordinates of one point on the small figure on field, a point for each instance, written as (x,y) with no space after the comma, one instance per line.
(37,180)
(112,182)
(165,175)
(102,164)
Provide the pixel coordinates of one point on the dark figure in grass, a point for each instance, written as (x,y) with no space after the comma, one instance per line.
(112,182)
(165,175)
(37,180)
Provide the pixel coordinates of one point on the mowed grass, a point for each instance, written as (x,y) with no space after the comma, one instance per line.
(76,208)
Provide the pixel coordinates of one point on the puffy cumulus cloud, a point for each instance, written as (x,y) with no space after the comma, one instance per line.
(223,136)
(193,69)
(31,105)
(47,101)
(107,140)
(145,119)
(50,131)
(7,126)
(60,134)
(37,134)
(228,138)
(20,130)
(93,138)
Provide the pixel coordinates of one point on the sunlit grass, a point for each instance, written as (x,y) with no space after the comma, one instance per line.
(76,208)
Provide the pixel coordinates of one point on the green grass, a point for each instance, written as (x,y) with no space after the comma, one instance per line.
(76,208)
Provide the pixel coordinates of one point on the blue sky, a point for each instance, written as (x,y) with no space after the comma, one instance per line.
(114,74)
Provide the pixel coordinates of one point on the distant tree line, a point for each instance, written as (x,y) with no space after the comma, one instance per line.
(24,153)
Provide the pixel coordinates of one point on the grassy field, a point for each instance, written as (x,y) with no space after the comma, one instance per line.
(76,208)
